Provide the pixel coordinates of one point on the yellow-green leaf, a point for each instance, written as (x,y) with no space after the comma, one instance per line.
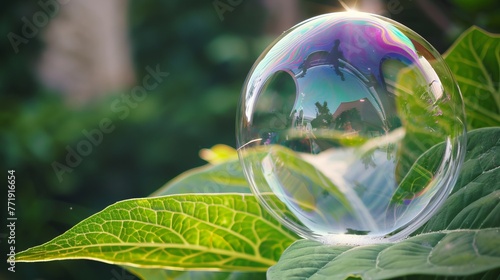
(224,232)
(474,59)
(219,153)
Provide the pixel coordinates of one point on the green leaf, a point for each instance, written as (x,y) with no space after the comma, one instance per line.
(226,177)
(461,252)
(489,275)
(419,175)
(474,202)
(463,238)
(474,59)
(224,232)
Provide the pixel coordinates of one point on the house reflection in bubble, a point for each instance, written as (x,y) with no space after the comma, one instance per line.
(334,96)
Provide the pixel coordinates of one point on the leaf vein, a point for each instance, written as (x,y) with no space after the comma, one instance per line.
(481,65)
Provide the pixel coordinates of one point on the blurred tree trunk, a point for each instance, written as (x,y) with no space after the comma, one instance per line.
(87,50)
(283,14)
(372,6)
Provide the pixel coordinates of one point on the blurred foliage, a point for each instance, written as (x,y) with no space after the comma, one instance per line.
(191,109)
(17,78)
(208,60)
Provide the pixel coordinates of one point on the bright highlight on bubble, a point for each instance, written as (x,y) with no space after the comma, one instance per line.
(334,121)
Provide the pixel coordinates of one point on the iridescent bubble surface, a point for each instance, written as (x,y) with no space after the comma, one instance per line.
(334,119)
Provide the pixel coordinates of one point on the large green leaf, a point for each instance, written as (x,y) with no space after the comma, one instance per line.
(461,252)
(474,59)
(225,232)
(474,202)
(489,275)
(463,238)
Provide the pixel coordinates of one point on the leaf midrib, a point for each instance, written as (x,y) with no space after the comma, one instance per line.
(133,245)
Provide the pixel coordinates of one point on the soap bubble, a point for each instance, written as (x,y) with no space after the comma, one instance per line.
(335,119)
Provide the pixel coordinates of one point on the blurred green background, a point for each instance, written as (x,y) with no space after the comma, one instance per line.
(206,46)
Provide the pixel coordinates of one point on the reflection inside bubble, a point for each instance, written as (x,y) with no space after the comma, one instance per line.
(333,119)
